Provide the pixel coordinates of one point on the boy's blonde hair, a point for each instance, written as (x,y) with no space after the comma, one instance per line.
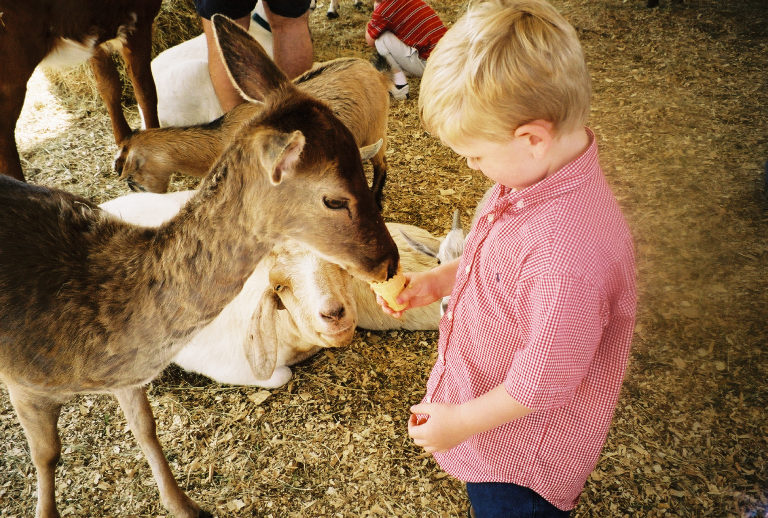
(502,64)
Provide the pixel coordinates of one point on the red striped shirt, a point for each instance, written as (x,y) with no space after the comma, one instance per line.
(413,22)
(544,302)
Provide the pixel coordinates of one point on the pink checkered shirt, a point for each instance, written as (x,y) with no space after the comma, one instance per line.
(413,22)
(544,303)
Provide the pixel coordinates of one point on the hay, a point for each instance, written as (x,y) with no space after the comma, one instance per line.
(680,104)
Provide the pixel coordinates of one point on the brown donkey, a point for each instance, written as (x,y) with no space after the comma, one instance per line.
(62,32)
(89,303)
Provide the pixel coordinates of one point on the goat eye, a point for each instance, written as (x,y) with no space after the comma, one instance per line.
(336,204)
(278,288)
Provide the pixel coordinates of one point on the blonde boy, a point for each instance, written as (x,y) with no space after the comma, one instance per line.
(534,344)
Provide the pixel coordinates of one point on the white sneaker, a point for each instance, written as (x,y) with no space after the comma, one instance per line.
(399,92)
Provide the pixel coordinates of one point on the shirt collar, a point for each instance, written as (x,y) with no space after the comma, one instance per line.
(564,180)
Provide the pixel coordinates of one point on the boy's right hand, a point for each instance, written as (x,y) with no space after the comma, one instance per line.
(417,292)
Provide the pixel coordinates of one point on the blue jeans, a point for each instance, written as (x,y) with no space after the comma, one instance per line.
(501,500)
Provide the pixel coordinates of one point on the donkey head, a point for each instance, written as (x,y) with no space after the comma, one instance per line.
(309,159)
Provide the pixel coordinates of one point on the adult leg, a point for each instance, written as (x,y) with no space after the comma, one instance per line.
(292,42)
(240,12)
(226,92)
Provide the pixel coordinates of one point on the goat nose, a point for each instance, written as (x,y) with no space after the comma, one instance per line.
(335,313)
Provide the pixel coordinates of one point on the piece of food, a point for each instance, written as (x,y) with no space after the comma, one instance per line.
(390,289)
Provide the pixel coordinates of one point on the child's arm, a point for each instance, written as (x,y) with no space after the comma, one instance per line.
(423,288)
(441,426)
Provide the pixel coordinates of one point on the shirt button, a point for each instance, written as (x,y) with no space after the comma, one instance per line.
(519,204)
(490,218)
(466,270)
(449,315)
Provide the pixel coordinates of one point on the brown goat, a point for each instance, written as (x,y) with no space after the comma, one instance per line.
(354,90)
(89,303)
(35,31)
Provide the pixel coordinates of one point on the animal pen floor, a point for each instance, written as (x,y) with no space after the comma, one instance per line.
(680,109)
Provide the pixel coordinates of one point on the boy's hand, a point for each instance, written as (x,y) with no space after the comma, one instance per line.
(417,292)
(437,426)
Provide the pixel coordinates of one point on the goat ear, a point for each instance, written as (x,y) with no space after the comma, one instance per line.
(133,162)
(419,246)
(278,301)
(249,67)
(367,152)
(456,221)
(281,152)
(260,344)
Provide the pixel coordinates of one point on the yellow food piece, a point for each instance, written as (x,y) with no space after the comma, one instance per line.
(390,289)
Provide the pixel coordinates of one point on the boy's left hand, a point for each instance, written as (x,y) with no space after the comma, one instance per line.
(437,426)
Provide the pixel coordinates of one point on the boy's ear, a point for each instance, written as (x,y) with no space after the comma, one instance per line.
(539,135)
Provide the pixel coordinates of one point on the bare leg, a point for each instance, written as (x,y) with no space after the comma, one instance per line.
(292,45)
(39,417)
(133,401)
(226,92)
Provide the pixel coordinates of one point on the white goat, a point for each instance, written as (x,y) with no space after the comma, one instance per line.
(185,94)
(451,247)
(303,302)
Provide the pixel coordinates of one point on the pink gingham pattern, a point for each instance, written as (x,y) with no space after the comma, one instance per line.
(544,303)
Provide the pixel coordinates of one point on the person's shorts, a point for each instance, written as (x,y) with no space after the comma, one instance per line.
(241,8)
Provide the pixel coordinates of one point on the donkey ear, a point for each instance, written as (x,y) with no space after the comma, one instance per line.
(280,152)
(260,344)
(249,66)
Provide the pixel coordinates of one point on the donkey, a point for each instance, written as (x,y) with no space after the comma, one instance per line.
(89,303)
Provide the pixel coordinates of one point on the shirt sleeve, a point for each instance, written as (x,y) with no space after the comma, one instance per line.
(376,25)
(561,320)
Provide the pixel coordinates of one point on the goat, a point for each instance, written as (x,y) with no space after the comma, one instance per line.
(185,94)
(308,302)
(65,32)
(451,247)
(354,90)
(89,303)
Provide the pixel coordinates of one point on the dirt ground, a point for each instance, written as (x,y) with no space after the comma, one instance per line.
(680,109)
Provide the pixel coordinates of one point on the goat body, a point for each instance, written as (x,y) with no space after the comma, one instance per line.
(308,302)
(354,90)
(59,32)
(89,303)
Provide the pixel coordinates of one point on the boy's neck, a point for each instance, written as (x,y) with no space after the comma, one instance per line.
(567,147)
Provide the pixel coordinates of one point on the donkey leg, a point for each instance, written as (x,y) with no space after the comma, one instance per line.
(137,53)
(13,89)
(39,417)
(111,91)
(133,401)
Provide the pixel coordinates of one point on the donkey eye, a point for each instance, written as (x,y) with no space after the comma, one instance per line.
(336,204)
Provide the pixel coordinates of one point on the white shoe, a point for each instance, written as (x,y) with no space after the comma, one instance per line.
(399,92)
